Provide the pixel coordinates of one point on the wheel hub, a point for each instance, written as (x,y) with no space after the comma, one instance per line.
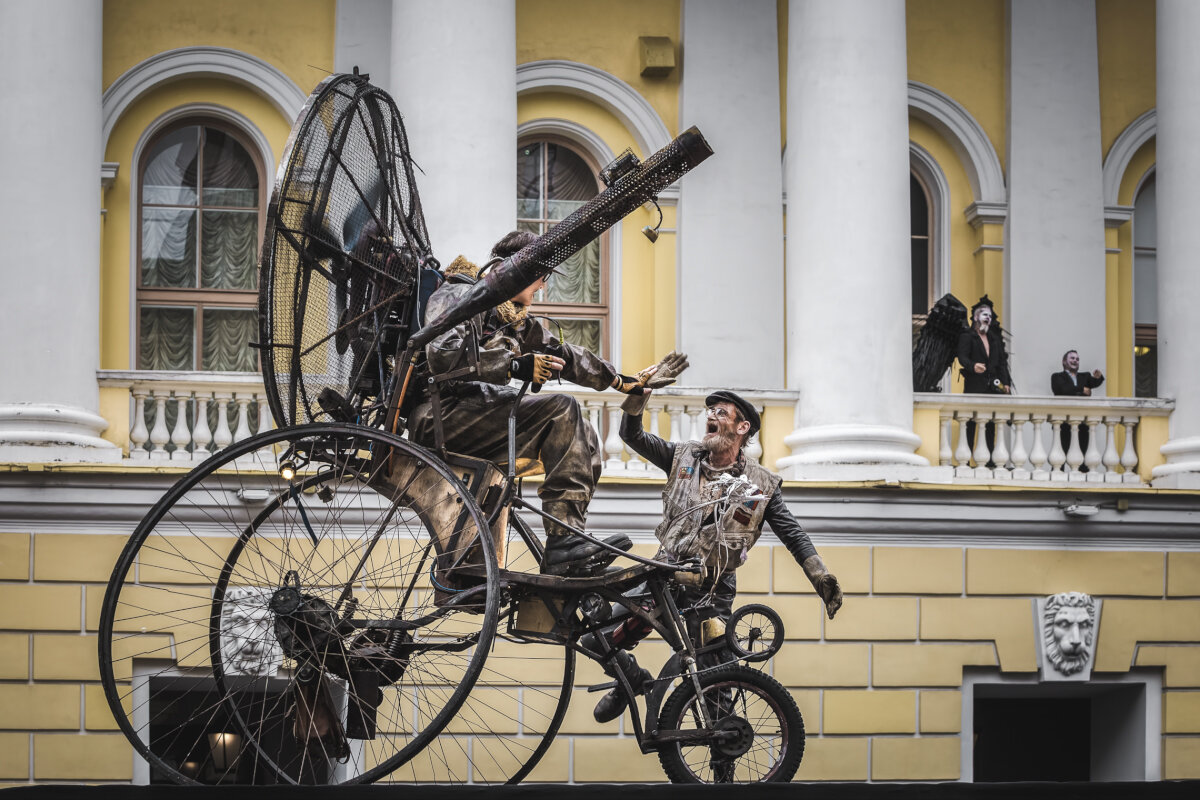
(734,737)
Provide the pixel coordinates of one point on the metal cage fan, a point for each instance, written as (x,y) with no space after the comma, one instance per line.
(343,250)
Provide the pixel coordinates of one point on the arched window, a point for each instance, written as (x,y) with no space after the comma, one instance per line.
(921,254)
(1145,291)
(200,201)
(553,180)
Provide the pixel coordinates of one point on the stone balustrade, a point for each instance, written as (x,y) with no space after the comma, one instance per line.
(1028,442)
(185,417)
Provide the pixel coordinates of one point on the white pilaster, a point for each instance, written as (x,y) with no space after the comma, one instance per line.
(1178,279)
(1055,296)
(849,332)
(454,78)
(731,309)
(50,225)
(363,39)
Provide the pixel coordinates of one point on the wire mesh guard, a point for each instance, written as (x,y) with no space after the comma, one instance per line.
(344,242)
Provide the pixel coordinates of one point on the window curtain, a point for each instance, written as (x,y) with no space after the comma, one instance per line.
(169,247)
(583,332)
(167,338)
(229,250)
(227,334)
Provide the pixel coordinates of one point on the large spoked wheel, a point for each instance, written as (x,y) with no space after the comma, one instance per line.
(312,605)
(508,725)
(757,734)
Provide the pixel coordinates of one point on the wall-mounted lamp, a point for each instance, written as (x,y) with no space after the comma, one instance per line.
(1081,510)
(225,749)
(652,233)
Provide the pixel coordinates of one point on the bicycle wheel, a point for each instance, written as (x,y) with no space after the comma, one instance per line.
(295,610)
(757,734)
(754,632)
(513,714)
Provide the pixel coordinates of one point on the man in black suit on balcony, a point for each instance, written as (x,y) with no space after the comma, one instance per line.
(1072,384)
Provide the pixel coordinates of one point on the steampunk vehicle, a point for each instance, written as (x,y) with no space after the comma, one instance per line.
(330,603)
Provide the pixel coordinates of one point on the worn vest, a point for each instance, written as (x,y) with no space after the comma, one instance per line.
(720,543)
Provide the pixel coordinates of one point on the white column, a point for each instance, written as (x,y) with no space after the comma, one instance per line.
(454,78)
(50,226)
(1054,275)
(849,331)
(1178,279)
(363,39)
(730,226)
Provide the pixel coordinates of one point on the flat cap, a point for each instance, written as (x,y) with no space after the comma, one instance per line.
(748,411)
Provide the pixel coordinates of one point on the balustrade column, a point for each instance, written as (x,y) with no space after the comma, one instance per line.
(1111,459)
(1129,458)
(159,436)
(202,434)
(848,171)
(50,154)
(138,434)
(181,437)
(1178,174)
(1091,459)
(1020,457)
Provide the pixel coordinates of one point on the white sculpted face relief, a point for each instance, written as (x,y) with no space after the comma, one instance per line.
(248,645)
(1069,631)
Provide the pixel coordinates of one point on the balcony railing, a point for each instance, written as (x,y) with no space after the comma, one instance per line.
(182,418)
(1028,439)
(185,417)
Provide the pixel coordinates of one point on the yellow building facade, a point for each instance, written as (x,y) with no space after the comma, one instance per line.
(942,558)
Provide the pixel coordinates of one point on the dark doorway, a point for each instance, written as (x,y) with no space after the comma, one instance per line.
(1058,731)
(185,719)
(1028,739)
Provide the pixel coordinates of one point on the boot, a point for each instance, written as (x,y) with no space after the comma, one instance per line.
(568,554)
(616,700)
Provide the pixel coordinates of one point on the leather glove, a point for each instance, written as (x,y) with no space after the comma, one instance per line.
(665,372)
(661,374)
(824,582)
(628,384)
(532,367)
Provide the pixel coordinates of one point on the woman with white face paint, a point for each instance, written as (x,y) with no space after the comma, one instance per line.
(983,362)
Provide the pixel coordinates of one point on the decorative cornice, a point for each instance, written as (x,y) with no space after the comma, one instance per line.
(1140,131)
(607,90)
(966,136)
(1116,216)
(108,173)
(186,62)
(979,213)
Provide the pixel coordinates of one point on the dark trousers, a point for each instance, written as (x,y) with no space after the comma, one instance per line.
(989,438)
(550,428)
(1064,436)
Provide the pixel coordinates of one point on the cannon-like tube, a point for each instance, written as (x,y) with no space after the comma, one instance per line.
(568,237)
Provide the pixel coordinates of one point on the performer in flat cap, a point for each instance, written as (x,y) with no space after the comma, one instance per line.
(714,505)
(551,427)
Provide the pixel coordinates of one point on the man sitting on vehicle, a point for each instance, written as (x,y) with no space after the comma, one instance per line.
(551,427)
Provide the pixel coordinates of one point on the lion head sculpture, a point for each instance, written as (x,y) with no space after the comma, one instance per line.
(248,645)
(1068,630)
